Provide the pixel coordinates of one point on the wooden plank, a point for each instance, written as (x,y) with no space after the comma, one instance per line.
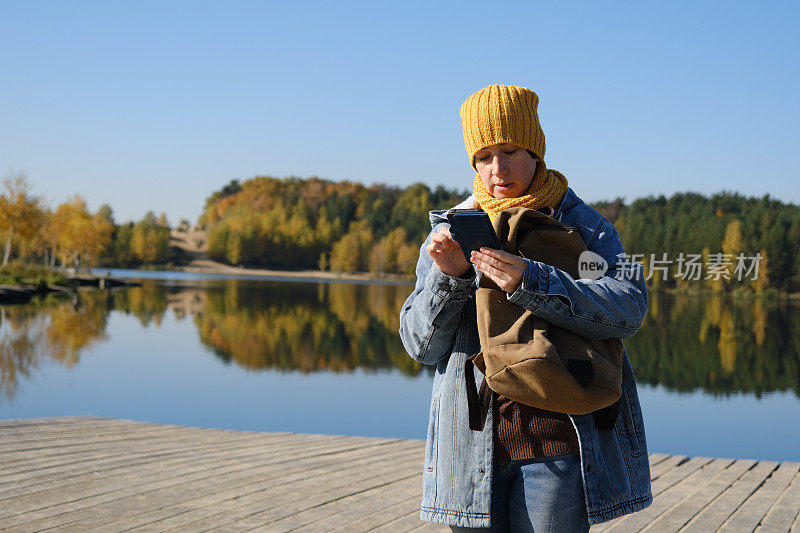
(27,461)
(44,453)
(111,438)
(47,441)
(153,440)
(33,422)
(88,428)
(331,502)
(257,451)
(82,427)
(85,426)
(49,504)
(154,449)
(749,514)
(55,449)
(248,448)
(369,519)
(29,440)
(667,464)
(64,420)
(406,523)
(45,430)
(683,481)
(655,458)
(785,511)
(206,515)
(189,448)
(264,472)
(175,503)
(11,435)
(276,503)
(695,500)
(676,474)
(381,499)
(713,516)
(327,516)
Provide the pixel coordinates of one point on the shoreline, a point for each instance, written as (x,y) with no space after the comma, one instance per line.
(207,266)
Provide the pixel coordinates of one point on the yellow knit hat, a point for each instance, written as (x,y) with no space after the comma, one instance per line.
(502,114)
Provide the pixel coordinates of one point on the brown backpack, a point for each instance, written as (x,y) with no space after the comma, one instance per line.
(523,356)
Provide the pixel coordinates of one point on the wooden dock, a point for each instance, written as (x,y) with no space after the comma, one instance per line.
(97,474)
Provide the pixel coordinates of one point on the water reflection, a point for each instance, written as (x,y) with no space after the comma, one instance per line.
(718,345)
(687,343)
(284,326)
(291,326)
(51,327)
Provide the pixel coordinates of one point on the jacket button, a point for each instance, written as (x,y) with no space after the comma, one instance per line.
(480,470)
(588,468)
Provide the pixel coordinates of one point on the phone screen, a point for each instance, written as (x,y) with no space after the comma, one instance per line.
(472,229)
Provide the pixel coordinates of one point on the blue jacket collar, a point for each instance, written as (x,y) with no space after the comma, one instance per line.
(569,201)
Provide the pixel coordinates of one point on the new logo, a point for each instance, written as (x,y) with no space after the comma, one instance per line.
(591,265)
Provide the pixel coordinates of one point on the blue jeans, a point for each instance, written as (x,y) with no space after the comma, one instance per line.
(537,495)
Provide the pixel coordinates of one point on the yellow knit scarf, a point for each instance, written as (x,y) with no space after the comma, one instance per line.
(547,188)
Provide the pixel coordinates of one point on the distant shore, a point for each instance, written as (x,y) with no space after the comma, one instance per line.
(208,266)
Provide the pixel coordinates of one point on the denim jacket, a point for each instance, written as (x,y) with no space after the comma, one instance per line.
(438,327)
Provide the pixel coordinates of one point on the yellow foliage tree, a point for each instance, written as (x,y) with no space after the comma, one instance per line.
(732,246)
(384,255)
(76,236)
(66,229)
(407,258)
(351,252)
(21,214)
(762,281)
(150,239)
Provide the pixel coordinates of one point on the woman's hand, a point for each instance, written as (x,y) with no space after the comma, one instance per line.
(447,254)
(501,267)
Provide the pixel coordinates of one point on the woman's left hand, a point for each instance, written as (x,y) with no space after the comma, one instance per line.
(501,267)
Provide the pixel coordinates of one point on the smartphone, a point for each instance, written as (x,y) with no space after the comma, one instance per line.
(471,229)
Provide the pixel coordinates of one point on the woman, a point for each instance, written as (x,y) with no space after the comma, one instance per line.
(528,469)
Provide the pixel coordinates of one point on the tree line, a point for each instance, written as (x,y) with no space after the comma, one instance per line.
(314,223)
(295,223)
(72,236)
(726,223)
(347,227)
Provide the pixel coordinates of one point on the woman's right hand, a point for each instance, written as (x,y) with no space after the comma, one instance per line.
(447,254)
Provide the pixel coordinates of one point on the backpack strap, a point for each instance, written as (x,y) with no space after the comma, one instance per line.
(477,402)
(606,417)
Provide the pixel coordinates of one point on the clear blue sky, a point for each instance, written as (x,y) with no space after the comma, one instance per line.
(152,105)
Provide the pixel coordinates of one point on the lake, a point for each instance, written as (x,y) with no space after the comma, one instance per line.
(716,377)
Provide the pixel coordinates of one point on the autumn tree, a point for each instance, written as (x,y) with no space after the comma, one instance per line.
(21,215)
(352,252)
(77,236)
(731,247)
(762,281)
(150,239)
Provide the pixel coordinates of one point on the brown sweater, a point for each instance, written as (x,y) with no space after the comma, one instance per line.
(525,432)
